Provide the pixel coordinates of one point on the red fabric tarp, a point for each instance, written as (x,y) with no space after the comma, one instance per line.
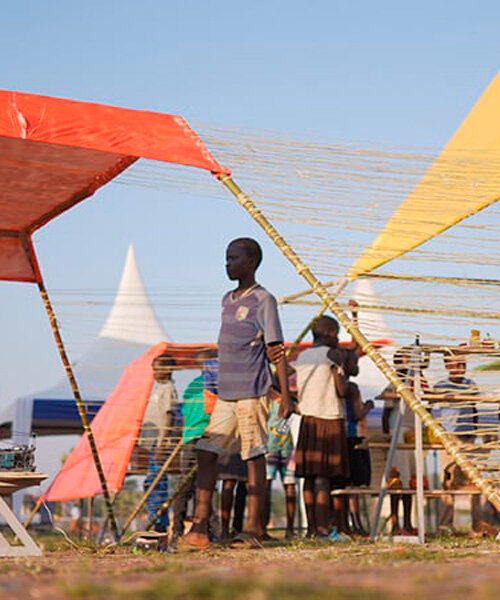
(115,428)
(55,153)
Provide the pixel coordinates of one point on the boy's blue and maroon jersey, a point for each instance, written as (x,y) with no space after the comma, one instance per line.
(249,322)
(461,416)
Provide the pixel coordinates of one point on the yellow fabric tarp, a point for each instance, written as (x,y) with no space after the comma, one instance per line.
(464,179)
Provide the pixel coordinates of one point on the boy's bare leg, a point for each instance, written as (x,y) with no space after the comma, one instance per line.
(310,502)
(290,495)
(394,513)
(322,504)
(207,476)
(267,506)
(407,513)
(340,514)
(240,502)
(256,495)
(226,505)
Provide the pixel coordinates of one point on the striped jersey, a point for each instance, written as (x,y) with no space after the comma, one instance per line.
(249,322)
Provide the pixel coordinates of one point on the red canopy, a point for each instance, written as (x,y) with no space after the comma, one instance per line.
(55,153)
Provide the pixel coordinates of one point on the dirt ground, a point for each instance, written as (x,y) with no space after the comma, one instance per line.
(445,568)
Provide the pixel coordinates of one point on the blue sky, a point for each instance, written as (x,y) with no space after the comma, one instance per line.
(382,72)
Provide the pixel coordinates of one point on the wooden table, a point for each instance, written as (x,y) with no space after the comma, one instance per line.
(10,482)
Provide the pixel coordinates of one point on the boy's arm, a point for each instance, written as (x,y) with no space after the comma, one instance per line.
(339,379)
(164,438)
(388,396)
(354,306)
(360,409)
(276,354)
(269,322)
(386,414)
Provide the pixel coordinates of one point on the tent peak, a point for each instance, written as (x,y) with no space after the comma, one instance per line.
(132,317)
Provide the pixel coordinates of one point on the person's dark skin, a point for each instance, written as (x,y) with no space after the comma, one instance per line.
(317,489)
(239,267)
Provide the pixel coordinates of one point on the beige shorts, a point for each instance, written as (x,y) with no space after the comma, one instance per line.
(245,419)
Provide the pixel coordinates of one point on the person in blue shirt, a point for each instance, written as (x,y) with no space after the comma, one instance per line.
(460,418)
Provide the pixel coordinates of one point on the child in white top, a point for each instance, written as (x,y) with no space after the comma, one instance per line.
(321,456)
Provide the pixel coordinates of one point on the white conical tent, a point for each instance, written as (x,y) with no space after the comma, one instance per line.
(130,329)
(132,318)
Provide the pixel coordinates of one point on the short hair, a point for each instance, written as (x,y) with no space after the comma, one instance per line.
(206,354)
(164,360)
(400,355)
(322,327)
(252,249)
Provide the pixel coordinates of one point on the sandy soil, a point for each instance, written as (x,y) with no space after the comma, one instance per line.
(463,569)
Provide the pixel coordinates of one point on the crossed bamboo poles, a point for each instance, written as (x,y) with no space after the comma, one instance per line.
(328,303)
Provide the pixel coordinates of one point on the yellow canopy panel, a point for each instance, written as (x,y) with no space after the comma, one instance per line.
(464,179)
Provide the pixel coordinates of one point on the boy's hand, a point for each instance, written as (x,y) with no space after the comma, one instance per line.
(353,305)
(335,355)
(370,405)
(286,409)
(275,352)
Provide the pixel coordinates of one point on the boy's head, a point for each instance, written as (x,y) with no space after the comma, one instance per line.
(163,367)
(326,331)
(456,366)
(401,358)
(206,354)
(243,257)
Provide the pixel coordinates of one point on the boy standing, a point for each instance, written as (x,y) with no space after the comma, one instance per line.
(161,426)
(250,324)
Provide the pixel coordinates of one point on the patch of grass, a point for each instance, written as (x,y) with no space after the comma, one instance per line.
(227,588)
(208,588)
(414,554)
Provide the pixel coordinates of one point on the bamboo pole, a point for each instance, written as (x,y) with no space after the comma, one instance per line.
(152,487)
(33,512)
(74,386)
(451,446)
(166,505)
(305,331)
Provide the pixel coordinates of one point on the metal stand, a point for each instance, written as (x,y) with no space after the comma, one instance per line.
(387,471)
(419,462)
